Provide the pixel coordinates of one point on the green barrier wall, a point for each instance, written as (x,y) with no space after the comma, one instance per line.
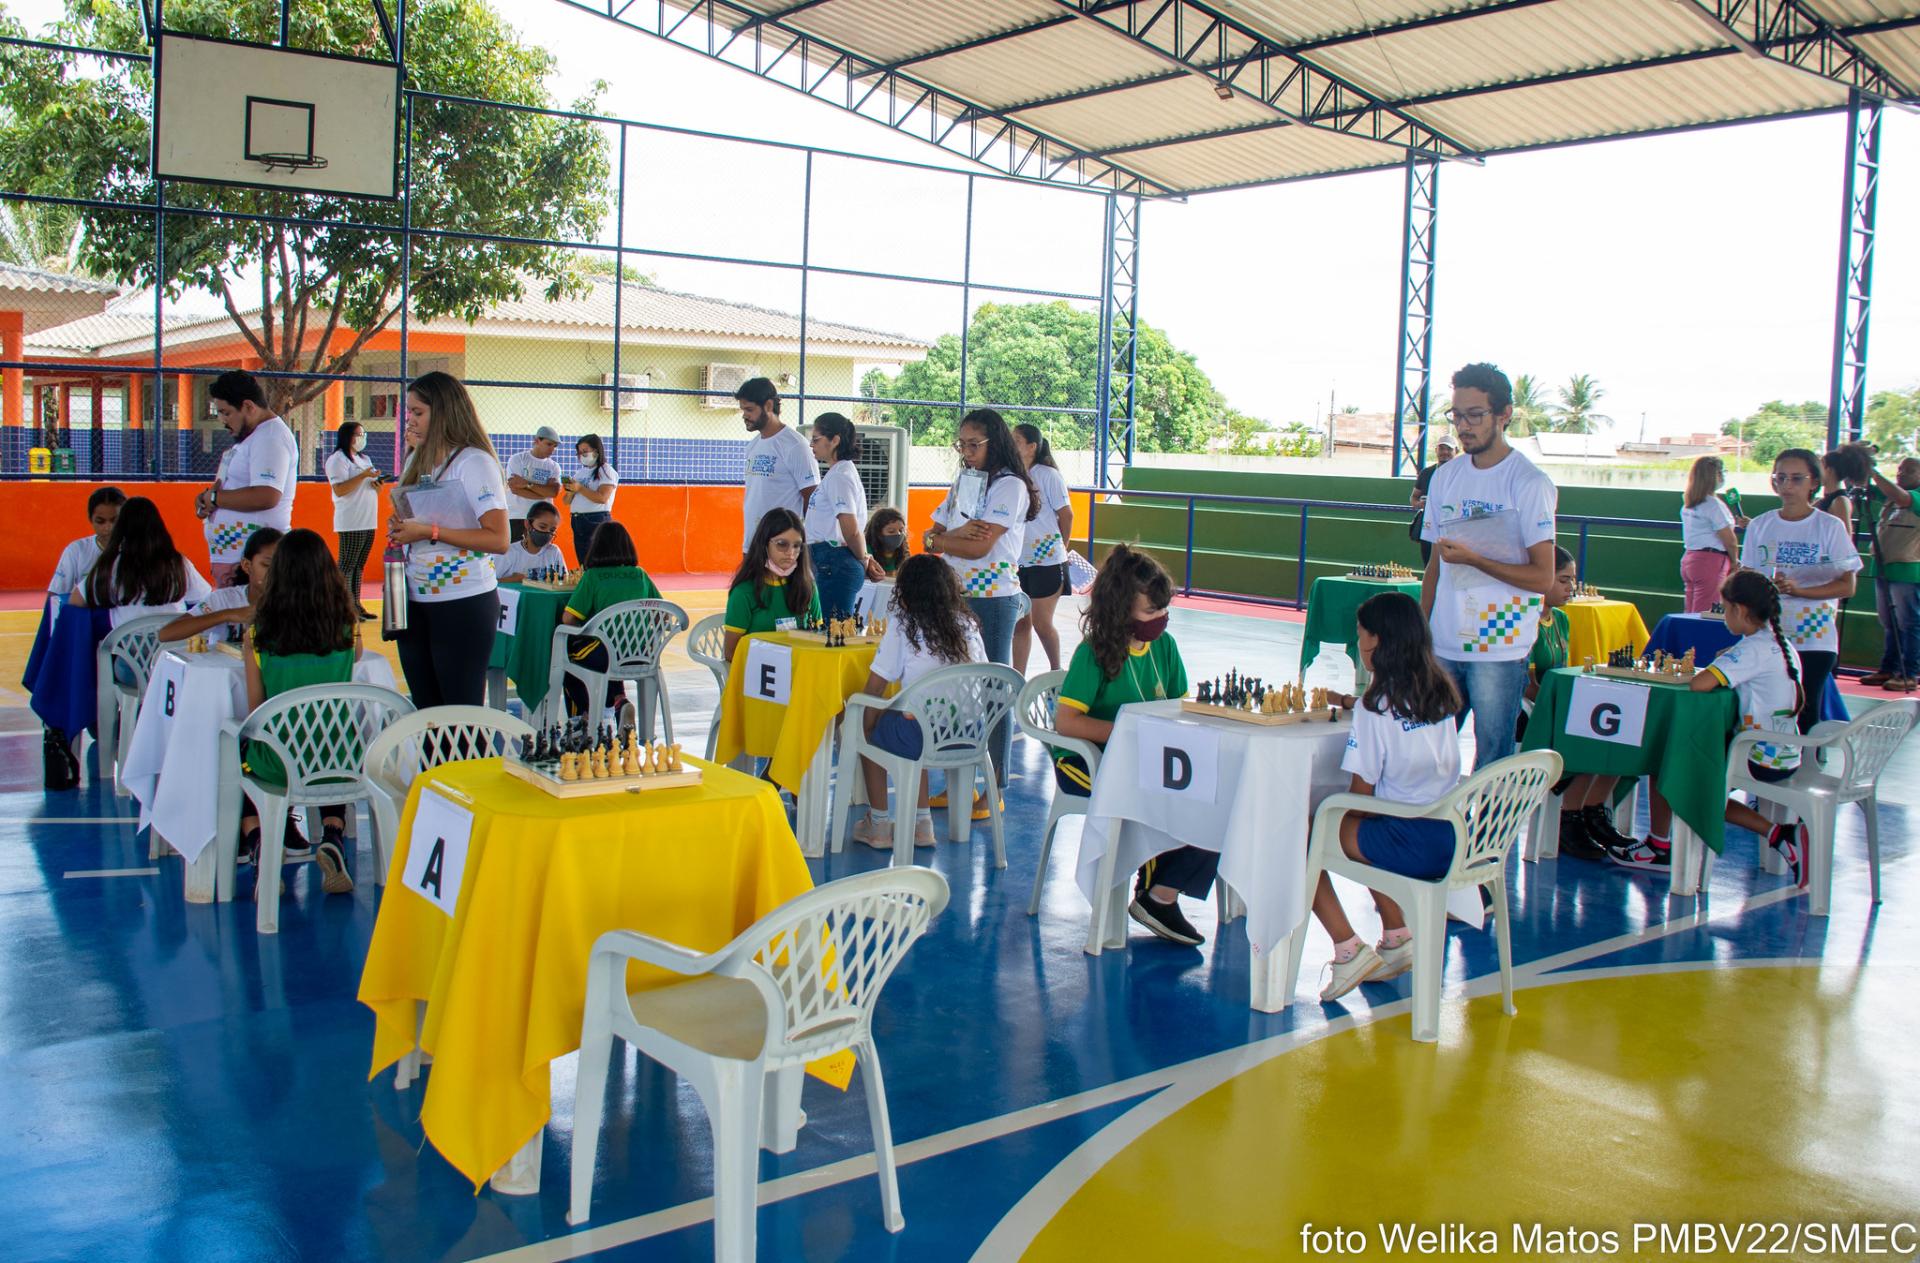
(1256,549)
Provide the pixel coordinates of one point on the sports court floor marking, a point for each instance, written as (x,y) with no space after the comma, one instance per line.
(112,872)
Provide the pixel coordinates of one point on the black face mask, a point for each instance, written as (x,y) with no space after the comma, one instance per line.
(536,540)
(894,543)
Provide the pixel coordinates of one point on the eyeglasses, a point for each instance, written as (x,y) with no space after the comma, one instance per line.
(968,445)
(1473,416)
(1790,479)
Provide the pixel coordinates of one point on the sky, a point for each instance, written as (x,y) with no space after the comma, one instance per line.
(1694,276)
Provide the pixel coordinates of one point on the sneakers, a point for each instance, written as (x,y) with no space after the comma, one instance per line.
(938,800)
(1575,840)
(981,808)
(1394,961)
(923,831)
(1876,679)
(249,849)
(332,858)
(1648,855)
(1164,919)
(875,831)
(1349,974)
(629,717)
(1601,829)
(1791,841)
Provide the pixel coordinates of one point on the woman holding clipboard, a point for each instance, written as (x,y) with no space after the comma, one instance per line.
(450,513)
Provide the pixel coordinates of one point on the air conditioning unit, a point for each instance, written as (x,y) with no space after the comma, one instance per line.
(722,380)
(882,465)
(631,386)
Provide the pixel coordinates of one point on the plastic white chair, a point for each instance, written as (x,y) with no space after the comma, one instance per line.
(1039,704)
(1488,811)
(798,985)
(320,734)
(135,642)
(421,740)
(706,645)
(1815,793)
(957,708)
(636,634)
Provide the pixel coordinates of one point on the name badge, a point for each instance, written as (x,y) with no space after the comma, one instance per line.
(1179,759)
(769,672)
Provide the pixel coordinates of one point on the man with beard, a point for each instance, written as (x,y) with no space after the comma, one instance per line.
(781,472)
(255,485)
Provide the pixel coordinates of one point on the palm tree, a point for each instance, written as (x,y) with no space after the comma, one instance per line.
(1574,413)
(37,235)
(1529,413)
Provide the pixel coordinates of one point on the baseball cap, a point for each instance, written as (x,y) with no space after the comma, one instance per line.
(548,433)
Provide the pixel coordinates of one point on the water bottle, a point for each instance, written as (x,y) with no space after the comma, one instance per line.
(393,591)
(1331,669)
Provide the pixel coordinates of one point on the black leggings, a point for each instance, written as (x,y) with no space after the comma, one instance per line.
(354,549)
(1188,869)
(588,652)
(445,648)
(1816,668)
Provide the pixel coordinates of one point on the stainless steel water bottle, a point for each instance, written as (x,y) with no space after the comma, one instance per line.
(393,591)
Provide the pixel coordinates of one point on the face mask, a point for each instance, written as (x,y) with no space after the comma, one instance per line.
(589,461)
(359,442)
(783,569)
(1147,630)
(894,543)
(536,540)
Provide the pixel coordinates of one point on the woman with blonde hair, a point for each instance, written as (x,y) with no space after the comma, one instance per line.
(453,608)
(1707,534)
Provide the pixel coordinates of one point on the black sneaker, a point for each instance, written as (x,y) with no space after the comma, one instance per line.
(294,845)
(1575,841)
(1164,919)
(249,849)
(1601,829)
(1647,856)
(1791,841)
(332,858)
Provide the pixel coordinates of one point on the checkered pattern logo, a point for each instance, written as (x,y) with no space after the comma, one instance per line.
(1043,553)
(1811,624)
(996,579)
(1498,624)
(443,574)
(1782,758)
(231,537)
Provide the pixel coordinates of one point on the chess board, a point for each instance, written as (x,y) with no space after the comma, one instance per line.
(1327,715)
(544,774)
(1408,577)
(1588,600)
(820,638)
(546,585)
(1646,675)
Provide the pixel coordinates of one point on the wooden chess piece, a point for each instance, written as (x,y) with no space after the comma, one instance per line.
(599,762)
(630,761)
(569,770)
(673,758)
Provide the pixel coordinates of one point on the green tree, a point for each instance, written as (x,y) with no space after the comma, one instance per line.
(1776,425)
(289,290)
(1529,408)
(1575,412)
(1893,422)
(40,235)
(1045,355)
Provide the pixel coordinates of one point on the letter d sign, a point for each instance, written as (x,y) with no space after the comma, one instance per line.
(1181,760)
(1176,768)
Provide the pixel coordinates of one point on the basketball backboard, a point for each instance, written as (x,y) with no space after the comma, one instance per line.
(275,118)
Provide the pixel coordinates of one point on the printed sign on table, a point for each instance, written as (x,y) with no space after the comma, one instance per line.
(437,855)
(769,672)
(509,611)
(1607,710)
(1181,759)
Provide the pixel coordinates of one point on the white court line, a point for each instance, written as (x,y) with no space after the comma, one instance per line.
(126,820)
(1066,1178)
(112,872)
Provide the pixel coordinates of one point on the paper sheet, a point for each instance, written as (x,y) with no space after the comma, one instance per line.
(1495,536)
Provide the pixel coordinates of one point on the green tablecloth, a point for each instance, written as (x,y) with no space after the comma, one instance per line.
(527,655)
(1331,605)
(1683,748)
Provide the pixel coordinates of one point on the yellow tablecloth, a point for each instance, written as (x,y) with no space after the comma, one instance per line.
(505,979)
(787,736)
(1597,628)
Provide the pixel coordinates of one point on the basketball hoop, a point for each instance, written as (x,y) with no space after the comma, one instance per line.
(290,161)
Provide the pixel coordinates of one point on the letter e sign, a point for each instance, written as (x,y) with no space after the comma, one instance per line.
(1607,710)
(1180,759)
(437,851)
(768,676)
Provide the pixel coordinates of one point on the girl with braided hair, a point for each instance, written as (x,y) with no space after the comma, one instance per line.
(1764,671)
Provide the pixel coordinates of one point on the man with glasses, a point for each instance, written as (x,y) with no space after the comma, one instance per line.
(781,471)
(1491,520)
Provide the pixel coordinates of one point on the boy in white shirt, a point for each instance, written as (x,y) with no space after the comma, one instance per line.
(77,558)
(535,549)
(533,479)
(780,470)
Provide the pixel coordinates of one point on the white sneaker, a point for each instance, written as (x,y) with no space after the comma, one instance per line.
(1394,961)
(923,831)
(1351,973)
(875,833)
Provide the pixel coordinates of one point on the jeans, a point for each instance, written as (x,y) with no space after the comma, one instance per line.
(1491,692)
(1702,571)
(837,577)
(1899,605)
(997,617)
(584,525)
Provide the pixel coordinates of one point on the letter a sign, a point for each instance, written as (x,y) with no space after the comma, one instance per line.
(1180,759)
(437,851)
(1607,710)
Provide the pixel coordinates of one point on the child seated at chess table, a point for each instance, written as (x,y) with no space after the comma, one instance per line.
(306,630)
(773,588)
(887,539)
(929,626)
(612,576)
(1126,656)
(535,550)
(1403,749)
(231,605)
(1764,671)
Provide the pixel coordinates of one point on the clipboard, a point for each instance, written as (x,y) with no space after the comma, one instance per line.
(1496,536)
(441,504)
(970,494)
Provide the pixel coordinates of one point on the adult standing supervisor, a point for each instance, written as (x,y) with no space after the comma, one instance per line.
(1442,453)
(352,478)
(1043,549)
(1707,535)
(1485,612)
(836,518)
(590,496)
(780,472)
(979,529)
(1896,578)
(533,477)
(255,485)
(452,608)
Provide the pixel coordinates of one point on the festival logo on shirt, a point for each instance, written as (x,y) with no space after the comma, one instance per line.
(1496,623)
(761,465)
(1811,623)
(1794,552)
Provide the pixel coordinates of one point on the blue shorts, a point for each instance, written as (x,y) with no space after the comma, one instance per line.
(1421,849)
(895,733)
(1769,775)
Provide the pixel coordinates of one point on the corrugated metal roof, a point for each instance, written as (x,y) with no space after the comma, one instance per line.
(41,281)
(1476,73)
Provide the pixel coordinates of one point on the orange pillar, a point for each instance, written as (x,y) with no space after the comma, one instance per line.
(335,405)
(13,381)
(183,393)
(63,428)
(134,419)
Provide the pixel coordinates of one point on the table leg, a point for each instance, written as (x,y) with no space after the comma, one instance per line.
(201,879)
(497,687)
(1097,923)
(1691,862)
(781,1116)
(521,1175)
(1266,970)
(1543,835)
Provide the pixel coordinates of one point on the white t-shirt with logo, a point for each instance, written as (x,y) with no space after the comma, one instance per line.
(778,469)
(518,561)
(543,470)
(1040,543)
(1404,761)
(197,590)
(1755,669)
(358,510)
(267,457)
(899,661)
(76,561)
(441,572)
(593,478)
(1701,525)
(839,492)
(1477,618)
(1816,549)
(997,573)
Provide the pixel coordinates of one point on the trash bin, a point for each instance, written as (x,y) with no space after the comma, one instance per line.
(40,460)
(63,460)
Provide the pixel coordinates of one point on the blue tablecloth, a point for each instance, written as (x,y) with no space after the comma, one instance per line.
(60,667)
(1678,633)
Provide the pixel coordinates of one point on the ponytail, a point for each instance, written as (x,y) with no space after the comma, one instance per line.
(1755,593)
(1786,656)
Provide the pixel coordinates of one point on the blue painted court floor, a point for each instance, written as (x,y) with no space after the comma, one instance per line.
(175,1087)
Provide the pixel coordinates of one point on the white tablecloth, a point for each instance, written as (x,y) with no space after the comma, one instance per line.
(1268,781)
(173,761)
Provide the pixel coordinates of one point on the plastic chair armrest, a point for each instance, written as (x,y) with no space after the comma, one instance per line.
(867,701)
(630,945)
(1367,803)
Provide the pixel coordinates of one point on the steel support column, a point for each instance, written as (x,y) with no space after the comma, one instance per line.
(1847,405)
(1113,399)
(1413,349)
